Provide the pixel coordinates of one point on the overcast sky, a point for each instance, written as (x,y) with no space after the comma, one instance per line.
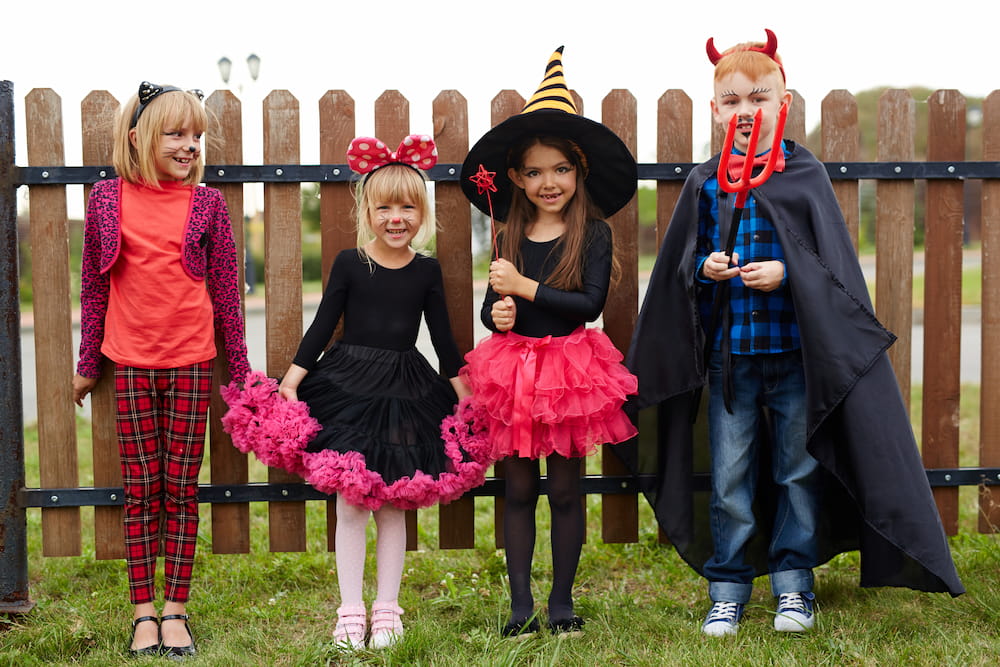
(480,48)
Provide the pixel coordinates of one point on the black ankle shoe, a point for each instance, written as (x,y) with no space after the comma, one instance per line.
(153,649)
(569,626)
(179,652)
(520,629)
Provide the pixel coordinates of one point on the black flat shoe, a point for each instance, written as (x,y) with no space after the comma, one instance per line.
(567,626)
(521,629)
(153,649)
(179,652)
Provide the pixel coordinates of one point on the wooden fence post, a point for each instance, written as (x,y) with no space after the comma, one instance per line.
(456,520)
(224,145)
(392,123)
(841,143)
(336,203)
(13,519)
(989,398)
(620,513)
(283,288)
(673,144)
(97,114)
(894,212)
(504,105)
(943,298)
(53,323)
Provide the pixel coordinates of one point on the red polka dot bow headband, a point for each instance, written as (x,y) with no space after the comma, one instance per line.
(366,154)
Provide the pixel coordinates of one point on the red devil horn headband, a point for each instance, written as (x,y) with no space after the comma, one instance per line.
(770,50)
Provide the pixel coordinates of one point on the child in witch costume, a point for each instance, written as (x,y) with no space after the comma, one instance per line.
(796,334)
(387,440)
(552,388)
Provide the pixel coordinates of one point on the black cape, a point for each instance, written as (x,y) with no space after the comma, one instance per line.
(876,497)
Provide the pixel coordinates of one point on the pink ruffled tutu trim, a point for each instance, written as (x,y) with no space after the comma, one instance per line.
(561,394)
(277,431)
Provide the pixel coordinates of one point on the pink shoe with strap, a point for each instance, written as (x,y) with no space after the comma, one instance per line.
(351,626)
(387,628)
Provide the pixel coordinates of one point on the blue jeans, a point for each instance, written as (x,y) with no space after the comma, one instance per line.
(776,381)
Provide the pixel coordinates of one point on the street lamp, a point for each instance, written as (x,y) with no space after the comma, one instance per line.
(225,71)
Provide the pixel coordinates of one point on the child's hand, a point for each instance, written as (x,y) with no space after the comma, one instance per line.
(504,312)
(718,267)
(81,387)
(504,278)
(288,393)
(461,389)
(290,381)
(764,276)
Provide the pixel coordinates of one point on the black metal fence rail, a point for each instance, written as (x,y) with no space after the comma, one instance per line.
(649,171)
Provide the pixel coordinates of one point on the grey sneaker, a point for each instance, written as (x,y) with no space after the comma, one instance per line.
(723,619)
(795,612)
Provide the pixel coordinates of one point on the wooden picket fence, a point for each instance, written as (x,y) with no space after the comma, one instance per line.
(230,512)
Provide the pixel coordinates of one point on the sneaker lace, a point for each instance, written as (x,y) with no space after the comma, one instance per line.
(792,602)
(722,611)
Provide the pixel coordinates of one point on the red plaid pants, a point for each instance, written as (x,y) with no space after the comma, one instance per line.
(161,439)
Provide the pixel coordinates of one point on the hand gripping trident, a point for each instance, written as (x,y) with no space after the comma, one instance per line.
(741,187)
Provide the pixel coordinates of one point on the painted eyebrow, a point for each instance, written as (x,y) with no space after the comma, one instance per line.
(727,93)
(757,91)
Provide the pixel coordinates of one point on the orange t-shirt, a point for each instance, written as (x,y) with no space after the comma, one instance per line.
(158,316)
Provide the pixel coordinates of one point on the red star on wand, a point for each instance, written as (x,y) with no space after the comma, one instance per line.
(484,183)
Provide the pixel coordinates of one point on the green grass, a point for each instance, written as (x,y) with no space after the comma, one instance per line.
(643,605)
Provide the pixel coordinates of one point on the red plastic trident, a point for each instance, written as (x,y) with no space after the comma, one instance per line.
(747,181)
(741,187)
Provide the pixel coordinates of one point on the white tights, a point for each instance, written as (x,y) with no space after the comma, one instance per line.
(350,544)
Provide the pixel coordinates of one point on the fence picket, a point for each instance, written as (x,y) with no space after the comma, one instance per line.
(224,145)
(943,298)
(456,520)
(894,219)
(336,204)
(283,288)
(97,113)
(619,111)
(53,340)
(504,105)
(841,142)
(989,398)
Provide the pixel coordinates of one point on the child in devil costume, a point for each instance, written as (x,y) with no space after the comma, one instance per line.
(810,476)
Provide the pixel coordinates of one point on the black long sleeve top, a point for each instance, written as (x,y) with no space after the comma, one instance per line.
(382,308)
(556,312)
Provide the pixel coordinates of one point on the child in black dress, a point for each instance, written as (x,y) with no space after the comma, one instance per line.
(382,447)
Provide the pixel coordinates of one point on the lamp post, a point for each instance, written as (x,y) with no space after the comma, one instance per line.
(225,71)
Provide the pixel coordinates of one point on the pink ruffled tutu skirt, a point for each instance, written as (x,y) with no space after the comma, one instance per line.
(374,426)
(557,394)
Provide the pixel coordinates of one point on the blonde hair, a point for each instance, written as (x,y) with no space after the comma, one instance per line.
(170,110)
(752,64)
(393,183)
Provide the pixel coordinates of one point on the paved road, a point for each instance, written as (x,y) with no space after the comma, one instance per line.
(970,360)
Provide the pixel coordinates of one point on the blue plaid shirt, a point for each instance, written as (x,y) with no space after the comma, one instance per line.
(762,322)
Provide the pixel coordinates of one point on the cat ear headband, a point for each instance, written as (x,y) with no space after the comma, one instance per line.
(366,154)
(770,49)
(150,91)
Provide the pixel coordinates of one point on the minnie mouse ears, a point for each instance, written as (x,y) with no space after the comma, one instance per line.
(366,154)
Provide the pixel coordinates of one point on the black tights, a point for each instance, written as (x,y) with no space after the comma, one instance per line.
(521,497)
